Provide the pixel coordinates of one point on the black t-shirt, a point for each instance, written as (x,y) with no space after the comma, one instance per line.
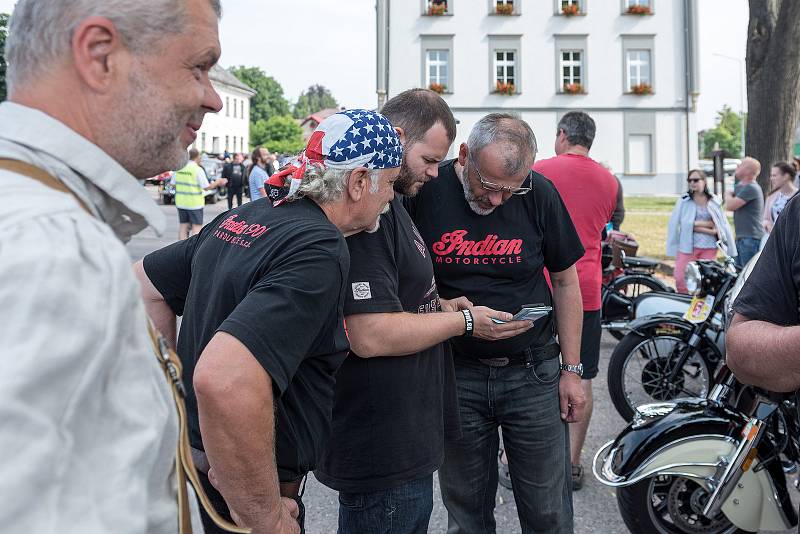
(235,173)
(391,413)
(496,260)
(772,292)
(273,278)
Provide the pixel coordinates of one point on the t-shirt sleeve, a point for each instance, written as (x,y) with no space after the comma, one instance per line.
(294,304)
(373,283)
(202,178)
(170,271)
(561,245)
(748,193)
(770,293)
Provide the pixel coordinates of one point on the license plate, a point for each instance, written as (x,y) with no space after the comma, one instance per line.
(699,309)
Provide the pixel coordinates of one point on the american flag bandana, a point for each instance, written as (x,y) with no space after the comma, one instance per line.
(345,140)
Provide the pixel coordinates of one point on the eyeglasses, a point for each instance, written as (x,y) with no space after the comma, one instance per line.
(693,180)
(497,188)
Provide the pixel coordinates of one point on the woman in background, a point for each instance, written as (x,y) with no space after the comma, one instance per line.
(781,178)
(697,222)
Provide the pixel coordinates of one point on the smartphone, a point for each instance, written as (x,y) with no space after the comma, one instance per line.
(529,312)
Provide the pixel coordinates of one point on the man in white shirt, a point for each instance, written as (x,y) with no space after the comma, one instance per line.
(101,92)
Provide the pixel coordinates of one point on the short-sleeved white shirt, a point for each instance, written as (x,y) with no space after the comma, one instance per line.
(88,428)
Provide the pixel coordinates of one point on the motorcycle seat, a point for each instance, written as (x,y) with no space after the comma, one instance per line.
(640,262)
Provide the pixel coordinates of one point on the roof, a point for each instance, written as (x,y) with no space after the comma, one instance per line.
(224,76)
(320,115)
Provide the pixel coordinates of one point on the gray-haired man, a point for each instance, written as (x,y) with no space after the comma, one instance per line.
(101,92)
(492,225)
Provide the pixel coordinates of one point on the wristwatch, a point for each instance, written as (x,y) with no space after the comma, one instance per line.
(577,369)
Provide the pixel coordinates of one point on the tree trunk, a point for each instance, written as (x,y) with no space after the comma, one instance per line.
(773,82)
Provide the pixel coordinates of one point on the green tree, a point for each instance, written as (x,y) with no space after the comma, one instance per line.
(3,33)
(278,134)
(269,100)
(313,99)
(727,132)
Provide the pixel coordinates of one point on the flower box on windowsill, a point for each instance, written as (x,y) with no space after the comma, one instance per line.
(573,89)
(639,10)
(437,10)
(571,10)
(642,89)
(504,9)
(507,89)
(438,88)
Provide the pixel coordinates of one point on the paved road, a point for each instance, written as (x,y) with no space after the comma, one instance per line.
(595,505)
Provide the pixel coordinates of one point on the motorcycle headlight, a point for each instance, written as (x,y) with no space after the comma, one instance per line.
(693,278)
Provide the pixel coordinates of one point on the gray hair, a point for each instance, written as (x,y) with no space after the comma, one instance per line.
(579,128)
(326,184)
(509,129)
(41,31)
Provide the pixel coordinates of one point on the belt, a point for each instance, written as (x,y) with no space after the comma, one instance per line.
(526,357)
(288,489)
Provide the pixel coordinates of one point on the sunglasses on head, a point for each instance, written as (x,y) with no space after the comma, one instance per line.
(693,180)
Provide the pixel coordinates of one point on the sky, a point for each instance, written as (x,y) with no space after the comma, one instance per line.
(304,42)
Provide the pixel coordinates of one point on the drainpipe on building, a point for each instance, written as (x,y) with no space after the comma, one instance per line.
(692,70)
(382,64)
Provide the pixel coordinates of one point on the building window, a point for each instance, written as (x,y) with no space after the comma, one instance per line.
(504,7)
(505,73)
(227,107)
(241,143)
(640,154)
(438,7)
(227,145)
(638,7)
(234,144)
(241,109)
(638,71)
(571,7)
(572,79)
(234,107)
(203,141)
(437,69)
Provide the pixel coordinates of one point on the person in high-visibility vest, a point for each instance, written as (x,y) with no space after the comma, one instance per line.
(190,182)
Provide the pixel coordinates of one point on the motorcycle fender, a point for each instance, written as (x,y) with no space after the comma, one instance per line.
(753,506)
(658,303)
(659,323)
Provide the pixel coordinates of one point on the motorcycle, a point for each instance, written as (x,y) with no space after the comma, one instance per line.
(706,465)
(623,286)
(675,344)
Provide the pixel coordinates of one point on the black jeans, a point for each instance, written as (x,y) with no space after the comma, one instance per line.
(222,508)
(231,193)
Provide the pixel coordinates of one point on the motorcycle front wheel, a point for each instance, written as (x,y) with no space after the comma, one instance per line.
(639,368)
(667,504)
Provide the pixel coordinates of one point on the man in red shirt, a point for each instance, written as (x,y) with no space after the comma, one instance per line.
(590,194)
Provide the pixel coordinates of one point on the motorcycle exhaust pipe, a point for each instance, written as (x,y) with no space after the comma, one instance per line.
(616,325)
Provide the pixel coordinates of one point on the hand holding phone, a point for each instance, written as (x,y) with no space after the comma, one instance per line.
(529,312)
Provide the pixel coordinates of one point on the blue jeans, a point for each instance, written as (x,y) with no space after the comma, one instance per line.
(404,509)
(747,247)
(523,401)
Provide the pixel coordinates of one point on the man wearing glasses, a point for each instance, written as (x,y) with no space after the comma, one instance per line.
(492,226)
(590,194)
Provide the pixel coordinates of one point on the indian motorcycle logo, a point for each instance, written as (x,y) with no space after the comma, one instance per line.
(453,247)
(239,233)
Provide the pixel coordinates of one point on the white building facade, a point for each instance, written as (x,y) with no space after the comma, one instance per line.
(631,64)
(228,130)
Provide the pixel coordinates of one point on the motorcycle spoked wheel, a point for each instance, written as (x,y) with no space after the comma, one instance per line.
(638,369)
(667,504)
(631,286)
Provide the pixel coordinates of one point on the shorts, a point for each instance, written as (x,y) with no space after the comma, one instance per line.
(190,216)
(590,343)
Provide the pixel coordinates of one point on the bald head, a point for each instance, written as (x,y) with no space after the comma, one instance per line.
(748,169)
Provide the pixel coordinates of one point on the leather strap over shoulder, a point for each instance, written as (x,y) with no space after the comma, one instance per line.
(35,173)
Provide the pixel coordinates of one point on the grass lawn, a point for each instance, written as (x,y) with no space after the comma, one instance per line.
(650,229)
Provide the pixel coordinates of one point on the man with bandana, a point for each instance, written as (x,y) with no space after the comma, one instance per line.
(261,292)
(395,393)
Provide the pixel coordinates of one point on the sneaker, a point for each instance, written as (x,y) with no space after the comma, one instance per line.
(577,477)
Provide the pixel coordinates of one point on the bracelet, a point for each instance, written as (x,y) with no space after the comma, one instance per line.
(468,322)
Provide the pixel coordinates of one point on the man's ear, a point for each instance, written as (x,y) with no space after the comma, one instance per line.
(358,183)
(401,134)
(463,151)
(96,47)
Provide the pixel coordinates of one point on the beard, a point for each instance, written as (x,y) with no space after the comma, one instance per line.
(472,200)
(375,227)
(143,133)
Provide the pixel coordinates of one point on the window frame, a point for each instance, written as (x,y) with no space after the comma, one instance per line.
(494,3)
(572,65)
(639,63)
(506,63)
(438,64)
(640,123)
(437,42)
(558,7)
(625,4)
(505,43)
(426,4)
(227,107)
(571,43)
(639,42)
